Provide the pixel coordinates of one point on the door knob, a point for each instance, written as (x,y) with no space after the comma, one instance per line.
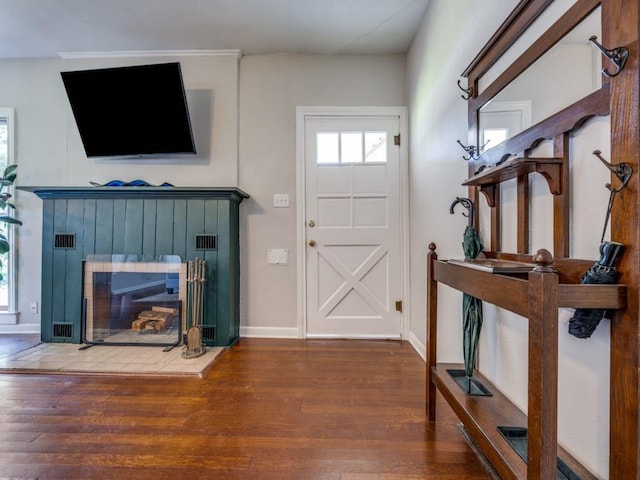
(312,243)
(311,223)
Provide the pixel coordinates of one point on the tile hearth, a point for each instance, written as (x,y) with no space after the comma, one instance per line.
(101,359)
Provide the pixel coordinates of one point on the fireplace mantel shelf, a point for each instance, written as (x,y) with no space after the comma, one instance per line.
(136,192)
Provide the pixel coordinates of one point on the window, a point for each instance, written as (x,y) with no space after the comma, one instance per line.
(494,136)
(352,147)
(8,284)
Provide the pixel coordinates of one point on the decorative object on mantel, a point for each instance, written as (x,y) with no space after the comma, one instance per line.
(196,277)
(471,306)
(8,178)
(133,183)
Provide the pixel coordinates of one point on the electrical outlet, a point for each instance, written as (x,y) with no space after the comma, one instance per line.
(33,307)
(277,256)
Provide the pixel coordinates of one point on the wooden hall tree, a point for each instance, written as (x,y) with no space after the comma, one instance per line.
(620,99)
(620,27)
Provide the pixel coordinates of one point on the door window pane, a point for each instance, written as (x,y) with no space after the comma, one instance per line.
(375,147)
(351,147)
(328,147)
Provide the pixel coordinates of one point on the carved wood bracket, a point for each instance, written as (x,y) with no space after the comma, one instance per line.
(487,180)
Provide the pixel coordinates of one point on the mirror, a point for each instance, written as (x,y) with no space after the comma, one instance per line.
(547,111)
(532,96)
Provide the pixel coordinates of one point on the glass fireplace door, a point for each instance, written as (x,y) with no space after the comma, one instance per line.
(133,299)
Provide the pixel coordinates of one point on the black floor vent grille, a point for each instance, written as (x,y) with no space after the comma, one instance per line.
(64,240)
(208,334)
(63,330)
(206,242)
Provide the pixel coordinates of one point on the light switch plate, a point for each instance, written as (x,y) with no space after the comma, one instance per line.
(281,200)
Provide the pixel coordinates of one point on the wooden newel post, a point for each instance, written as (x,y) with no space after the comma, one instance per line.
(432,331)
(543,369)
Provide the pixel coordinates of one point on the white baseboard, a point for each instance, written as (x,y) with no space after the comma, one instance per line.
(353,337)
(269,332)
(282,332)
(418,346)
(21,328)
(9,318)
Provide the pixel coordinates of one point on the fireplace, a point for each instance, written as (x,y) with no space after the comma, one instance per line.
(133,300)
(145,223)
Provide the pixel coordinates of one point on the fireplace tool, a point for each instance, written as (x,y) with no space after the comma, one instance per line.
(195,309)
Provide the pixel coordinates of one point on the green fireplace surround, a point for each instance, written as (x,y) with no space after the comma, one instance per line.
(149,221)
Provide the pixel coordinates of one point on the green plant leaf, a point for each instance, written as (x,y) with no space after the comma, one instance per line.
(8,219)
(4,246)
(10,169)
(8,178)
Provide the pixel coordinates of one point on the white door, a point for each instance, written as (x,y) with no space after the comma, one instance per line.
(352,227)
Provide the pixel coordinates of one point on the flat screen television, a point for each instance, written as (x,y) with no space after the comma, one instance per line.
(131,111)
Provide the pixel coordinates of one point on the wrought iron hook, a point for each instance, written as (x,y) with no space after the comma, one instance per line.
(618,56)
(466,203)
(621,170)
(468,92)
(472,150)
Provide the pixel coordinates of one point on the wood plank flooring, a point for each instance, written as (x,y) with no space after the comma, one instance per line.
(269,409)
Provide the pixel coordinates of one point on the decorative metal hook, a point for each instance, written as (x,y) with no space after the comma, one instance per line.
(472,150)
(466,203)
(621,170)
(468,92)
(617,55)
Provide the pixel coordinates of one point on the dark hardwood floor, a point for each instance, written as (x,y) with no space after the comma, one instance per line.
(269,409)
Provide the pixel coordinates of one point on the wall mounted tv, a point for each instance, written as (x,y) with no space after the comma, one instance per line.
(131,111)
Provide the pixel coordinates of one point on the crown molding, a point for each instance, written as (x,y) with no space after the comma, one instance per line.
(150,53)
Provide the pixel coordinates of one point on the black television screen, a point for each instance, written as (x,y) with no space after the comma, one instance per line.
(131,111)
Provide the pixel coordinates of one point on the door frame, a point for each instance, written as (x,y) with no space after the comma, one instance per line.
(301,113)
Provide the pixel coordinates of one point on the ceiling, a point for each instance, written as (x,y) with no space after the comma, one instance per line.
(47,28)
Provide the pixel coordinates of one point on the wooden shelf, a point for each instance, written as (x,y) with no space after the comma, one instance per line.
(512,292)
(549,168)
(537,296)
(481,415)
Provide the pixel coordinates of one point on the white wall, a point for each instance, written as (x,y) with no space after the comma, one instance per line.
(247,136)
(49,151)
(243,112)
(271,87)
(450,36)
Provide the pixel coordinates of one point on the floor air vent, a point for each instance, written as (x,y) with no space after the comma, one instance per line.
(64,240)
(63,330)
(206,242)
(208,334)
